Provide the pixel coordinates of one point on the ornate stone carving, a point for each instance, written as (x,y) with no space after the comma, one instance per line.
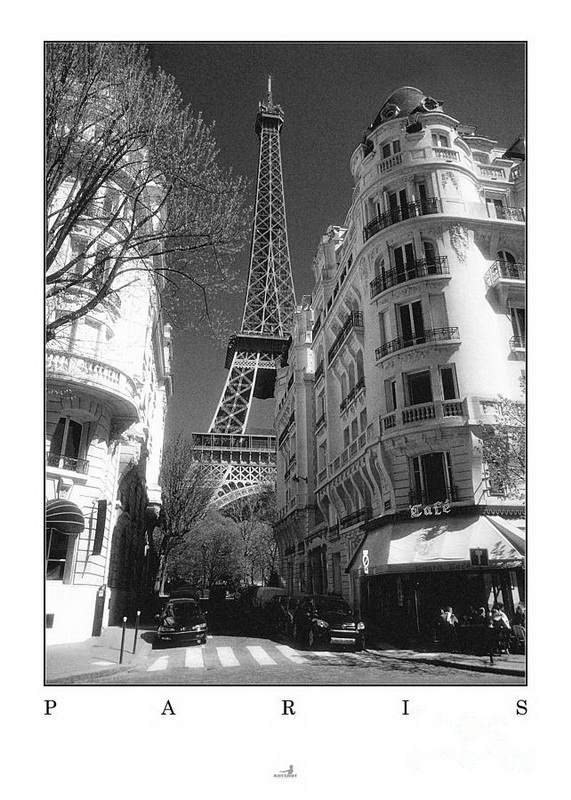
(459,240)
(450,177)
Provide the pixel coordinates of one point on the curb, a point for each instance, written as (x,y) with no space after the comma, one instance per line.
(441,662)
(63,680)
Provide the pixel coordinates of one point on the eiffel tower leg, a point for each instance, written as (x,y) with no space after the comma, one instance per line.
(236,401)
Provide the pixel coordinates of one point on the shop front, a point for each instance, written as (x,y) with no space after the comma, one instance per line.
(405,572)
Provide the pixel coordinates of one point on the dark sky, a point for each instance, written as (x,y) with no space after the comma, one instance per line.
(330,93)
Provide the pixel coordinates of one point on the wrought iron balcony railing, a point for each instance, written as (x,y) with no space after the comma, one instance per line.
(399,214)
(354,320)
(65,462)
(513,214)
(420,268)
(363,514)
(352,394)
(426,337)
(517,343)
(505,270)
(424,498)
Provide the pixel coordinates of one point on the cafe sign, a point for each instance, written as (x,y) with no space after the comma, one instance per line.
(366,562)
(435,509)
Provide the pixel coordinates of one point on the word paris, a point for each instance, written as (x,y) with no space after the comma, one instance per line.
(436,508)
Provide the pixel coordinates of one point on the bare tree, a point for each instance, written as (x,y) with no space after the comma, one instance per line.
(504,447)
(132,184)
(187,489)
(254,516)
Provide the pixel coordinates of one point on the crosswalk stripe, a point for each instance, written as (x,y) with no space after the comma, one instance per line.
(259,654)
(290,653)
(160,663)
(227,657)
(193,658)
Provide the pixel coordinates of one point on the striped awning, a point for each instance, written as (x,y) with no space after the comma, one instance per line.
(65,517)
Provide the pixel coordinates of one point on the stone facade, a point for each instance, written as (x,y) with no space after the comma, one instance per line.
(418,324)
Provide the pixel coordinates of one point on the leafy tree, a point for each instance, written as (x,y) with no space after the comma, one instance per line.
(209,554)
(504,447)
(132,186)
(187,489)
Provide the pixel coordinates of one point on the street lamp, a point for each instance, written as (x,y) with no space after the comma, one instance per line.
(298,478)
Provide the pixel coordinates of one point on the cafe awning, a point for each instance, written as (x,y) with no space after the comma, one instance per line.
(64,517)
(430,544)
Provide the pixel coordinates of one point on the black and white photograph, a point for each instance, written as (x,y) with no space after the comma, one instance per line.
(284,431)
(285,365)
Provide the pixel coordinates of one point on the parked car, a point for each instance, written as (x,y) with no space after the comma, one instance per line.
(253,607)
(280,611)
(322,620)
(182,619)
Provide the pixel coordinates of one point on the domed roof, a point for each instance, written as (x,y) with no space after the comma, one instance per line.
(403,102)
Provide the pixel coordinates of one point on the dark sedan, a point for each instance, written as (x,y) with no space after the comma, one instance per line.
(182,620)
(325,619)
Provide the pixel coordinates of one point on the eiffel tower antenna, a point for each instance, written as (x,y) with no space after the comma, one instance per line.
(243,462)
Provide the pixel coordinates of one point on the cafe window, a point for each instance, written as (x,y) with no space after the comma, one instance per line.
(58,547)
(65,445)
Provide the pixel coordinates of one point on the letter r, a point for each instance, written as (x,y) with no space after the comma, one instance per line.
(288,708)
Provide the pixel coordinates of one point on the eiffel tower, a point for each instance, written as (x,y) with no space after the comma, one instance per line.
(240,462)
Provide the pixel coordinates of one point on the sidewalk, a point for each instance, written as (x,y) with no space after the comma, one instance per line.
(97,655)
(513,664)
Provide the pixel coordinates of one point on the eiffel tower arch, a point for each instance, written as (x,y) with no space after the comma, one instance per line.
(242,463)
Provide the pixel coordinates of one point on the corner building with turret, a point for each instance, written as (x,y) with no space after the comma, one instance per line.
(417,328)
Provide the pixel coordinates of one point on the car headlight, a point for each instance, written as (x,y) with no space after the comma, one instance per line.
(201,627)
(360,626)
(321,623)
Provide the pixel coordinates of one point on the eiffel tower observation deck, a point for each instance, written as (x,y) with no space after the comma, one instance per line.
(242,463)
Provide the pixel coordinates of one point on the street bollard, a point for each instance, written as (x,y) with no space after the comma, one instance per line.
(136,632)
(122,640)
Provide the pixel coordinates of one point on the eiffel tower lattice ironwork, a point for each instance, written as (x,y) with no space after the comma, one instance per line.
(241,463)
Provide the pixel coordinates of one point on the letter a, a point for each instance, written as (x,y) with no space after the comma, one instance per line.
(169,707)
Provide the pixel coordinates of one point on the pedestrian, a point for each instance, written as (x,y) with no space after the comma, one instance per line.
(519,616)
(449,622)
(498,631)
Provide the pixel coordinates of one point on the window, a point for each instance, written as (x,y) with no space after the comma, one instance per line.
(431,478)
(398,205)
(383,327)
(336,564)
(391,148)
(354,429)
(429,256)
(100,526)
(418,388)
(518,325)
(440,140)
(448,382)
(57,545)
(363,420)
(65,444)
(504,255)
(411,323)
(403,257)
(346,437)
(391,394)
(495,206)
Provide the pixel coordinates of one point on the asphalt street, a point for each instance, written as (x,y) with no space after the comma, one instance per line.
(241,660)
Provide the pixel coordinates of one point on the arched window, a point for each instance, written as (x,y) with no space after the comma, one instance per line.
(505,255)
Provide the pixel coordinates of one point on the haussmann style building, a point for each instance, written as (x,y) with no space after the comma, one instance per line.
(415,327)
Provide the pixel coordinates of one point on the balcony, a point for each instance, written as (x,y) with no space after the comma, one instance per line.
(361,515)
(423,498)
(430,336)
(399,214)
(445,153)
(437,410)
(101,380)
(354,320)
(506,212)
(79,465)
(420,268)
(505,271)
(359,386)
(517,344)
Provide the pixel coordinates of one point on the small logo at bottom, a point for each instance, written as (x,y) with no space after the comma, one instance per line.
(286,773)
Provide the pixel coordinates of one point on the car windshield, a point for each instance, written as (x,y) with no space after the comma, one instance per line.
(328,604)
(178,609)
